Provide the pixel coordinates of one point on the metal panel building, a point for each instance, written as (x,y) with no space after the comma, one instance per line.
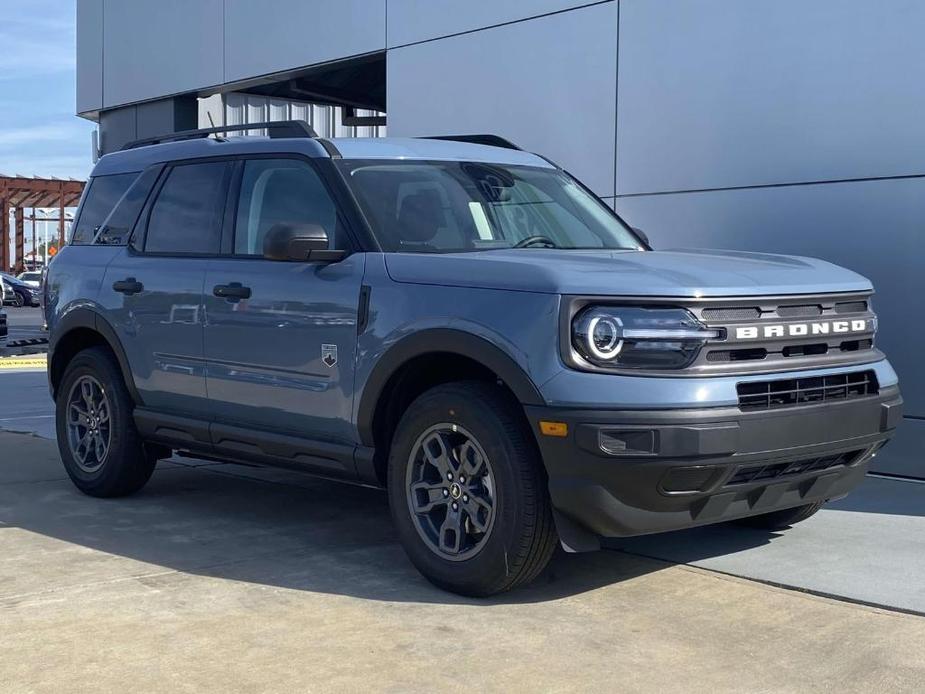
(787,126)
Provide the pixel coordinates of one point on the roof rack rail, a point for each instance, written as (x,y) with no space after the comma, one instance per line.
(490,140)
(276,129)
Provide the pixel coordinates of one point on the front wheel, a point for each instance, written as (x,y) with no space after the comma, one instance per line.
(468,491)
(780,520)
(18,300)
(99,445)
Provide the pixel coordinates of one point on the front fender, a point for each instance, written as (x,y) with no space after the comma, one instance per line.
(444,340)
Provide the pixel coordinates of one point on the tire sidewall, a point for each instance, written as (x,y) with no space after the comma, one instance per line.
(94,362)
(491,563)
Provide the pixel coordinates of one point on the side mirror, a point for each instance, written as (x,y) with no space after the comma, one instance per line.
(299,242)
(641,234)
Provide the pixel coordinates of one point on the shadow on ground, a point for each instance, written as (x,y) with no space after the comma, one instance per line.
(278,530)
(285,530)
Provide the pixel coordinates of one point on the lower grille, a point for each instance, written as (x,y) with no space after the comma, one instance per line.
(793,392)
(776,471)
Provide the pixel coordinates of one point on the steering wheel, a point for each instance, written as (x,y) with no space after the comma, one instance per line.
(536,240)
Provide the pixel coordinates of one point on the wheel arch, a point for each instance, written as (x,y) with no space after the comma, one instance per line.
(77,330)
(434,341)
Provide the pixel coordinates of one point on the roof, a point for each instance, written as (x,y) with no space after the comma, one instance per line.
(404,148)
(433,150)
(28,191)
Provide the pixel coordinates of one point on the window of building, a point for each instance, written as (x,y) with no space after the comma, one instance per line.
(280,191)
(186,217)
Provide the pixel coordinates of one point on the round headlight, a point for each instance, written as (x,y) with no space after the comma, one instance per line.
(605,336)
(639,337)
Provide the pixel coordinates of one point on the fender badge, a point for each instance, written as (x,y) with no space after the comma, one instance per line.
(329,355)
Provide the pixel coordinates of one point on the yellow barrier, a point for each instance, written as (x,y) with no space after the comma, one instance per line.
(29,361)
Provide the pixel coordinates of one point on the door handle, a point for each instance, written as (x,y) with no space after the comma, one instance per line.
(234,291)
(128,286)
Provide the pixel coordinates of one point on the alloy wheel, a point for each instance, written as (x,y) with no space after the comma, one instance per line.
(89,431)
(451,491)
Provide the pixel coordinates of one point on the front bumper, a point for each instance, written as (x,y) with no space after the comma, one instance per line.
(624,473)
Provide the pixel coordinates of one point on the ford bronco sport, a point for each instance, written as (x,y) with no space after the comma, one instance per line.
(462,323)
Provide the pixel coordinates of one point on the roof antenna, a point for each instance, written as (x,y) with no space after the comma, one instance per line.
(218,137)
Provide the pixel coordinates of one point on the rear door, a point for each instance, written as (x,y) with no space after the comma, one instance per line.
(153,290)
(281,354)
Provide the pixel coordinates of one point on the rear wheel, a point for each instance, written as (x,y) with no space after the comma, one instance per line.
(468,491)
(99,445)
(780,520)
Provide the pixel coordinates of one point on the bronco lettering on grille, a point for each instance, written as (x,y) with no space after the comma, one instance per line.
(754,332)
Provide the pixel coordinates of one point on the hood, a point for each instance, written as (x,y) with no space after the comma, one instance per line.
(681,273)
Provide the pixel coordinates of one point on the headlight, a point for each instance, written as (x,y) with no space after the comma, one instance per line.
(630,337)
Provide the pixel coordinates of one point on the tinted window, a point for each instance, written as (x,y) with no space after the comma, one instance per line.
(187,215)
(275,191)
(102,195)
(117,227)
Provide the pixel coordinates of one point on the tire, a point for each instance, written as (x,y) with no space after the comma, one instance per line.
(125,466)
(780,520)
(519,534)
(18,300)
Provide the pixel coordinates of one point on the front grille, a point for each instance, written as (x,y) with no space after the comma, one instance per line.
(851,307)
(793,392)
(741,313)
(799,311)
(781,333)
(776,471)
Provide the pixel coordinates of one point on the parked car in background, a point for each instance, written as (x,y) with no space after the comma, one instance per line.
(23,294)
(3,327)
(32,278)
(7,295)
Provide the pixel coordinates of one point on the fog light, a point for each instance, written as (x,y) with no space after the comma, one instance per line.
(687,480)
(627,442)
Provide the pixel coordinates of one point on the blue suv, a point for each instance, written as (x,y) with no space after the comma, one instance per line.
(462,323)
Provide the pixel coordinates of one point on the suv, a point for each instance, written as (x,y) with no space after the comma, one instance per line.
(462,323)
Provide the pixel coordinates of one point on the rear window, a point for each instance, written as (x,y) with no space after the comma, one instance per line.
(102,195)
(117,228)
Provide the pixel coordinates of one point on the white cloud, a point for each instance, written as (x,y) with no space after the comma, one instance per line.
(16,137)
(38,39)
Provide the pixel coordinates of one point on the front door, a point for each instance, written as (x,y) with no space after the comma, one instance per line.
(280,337)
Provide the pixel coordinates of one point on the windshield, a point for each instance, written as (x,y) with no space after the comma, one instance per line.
(445,207)
(31,276)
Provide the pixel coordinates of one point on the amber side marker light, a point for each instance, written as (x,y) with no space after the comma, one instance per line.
(559,429)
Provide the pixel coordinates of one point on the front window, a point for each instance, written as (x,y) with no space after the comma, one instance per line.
(445,207)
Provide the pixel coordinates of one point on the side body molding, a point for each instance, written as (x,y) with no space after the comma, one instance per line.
(447,341)
(88,318)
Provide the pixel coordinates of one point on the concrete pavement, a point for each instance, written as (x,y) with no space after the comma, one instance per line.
(219,578)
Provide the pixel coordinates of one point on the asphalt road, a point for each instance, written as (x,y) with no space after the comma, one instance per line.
(24,323)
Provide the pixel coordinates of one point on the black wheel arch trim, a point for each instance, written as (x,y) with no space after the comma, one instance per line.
(441,340)
(88,318)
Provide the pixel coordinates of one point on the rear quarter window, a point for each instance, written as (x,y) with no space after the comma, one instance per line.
(102,195)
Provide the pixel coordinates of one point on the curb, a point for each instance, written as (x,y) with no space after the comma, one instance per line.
(37,361)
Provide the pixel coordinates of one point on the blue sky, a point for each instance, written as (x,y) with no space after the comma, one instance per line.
(39,133)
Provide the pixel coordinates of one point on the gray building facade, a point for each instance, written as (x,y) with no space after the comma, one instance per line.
(786,126)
